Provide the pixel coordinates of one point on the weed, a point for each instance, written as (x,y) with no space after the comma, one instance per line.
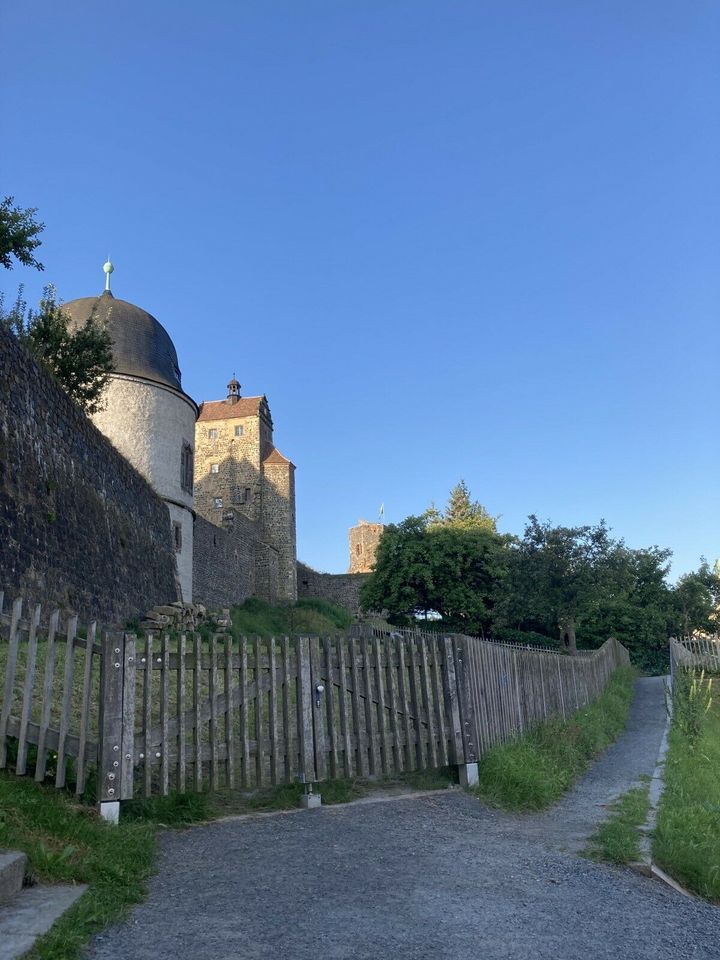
(618,838)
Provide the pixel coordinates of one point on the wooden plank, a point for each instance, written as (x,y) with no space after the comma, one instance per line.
(427,703)
(229,714)
(467,712)
(10,667)
(197,707)
(439,700)
(165,716)
(244,713)
(370,725)
(214,732)
(287,728)
(80,766)
(147,716)
(124,765)
(21,761)
(349,766)
(111,714)
(330,698)
(358,722)
(420,745)
(319,706)
(47,697)
(451,700)
(391,678)
(259,720)
(403,684)
(274,743)
(181,731)
(66,707)
(385,748)
(305,711)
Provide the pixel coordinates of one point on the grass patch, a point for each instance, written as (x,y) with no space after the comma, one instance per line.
(69,843)
(686,841)
(306,617)
(533,772)
(617,840)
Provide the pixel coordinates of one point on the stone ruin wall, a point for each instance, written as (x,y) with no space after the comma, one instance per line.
(79,526)
(340,588)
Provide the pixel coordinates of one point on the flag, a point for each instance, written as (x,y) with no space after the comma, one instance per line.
(382,513)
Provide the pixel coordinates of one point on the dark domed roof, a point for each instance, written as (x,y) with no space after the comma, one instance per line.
(141,345)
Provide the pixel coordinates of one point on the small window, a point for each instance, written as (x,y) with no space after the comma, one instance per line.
(212,433)
(248,494)
(214,467)
(218,502)
(177,536)
(358,549)
(186,468)
(239,430)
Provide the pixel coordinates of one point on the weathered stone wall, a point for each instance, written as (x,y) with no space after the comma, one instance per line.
(340,588)
(364,539)
(227,467)
(278,514)
(79,526)
(225,560)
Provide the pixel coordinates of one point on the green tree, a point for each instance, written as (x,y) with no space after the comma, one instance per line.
(80,360)
(461,511)
(19,235)
(696,599)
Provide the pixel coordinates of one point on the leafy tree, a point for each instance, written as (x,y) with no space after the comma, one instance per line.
(19,235)
(696,600)
(424,567)
(80,360)
(559,576)
(461,511)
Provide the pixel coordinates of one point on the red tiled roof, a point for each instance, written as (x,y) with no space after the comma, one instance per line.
(222,410)
(276,457)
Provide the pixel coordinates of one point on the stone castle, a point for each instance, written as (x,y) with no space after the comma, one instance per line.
(229,491)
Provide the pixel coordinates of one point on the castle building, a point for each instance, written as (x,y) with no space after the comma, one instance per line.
(239,469)
(147,416)
(364,538)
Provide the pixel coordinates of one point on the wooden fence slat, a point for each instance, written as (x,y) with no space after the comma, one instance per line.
(358,722)
(259,724)
(181,732)
(397,754)
(316,674)
(438,698)
(21,761)
(10,666)
(212,691)
(66,708)
(274,766)
(369,718)
(229,714)
(111,715)
(349,765)
(305,711)
(290,766)
(330,698)
(147,715)
(244,712)
(427,703)
(385,749)
(47,697)
(403,684)
(420,746)
(124,764)
(451,698)
(81,762)
(165,716)
(197,707)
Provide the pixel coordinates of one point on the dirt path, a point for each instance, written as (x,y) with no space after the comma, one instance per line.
(418,879)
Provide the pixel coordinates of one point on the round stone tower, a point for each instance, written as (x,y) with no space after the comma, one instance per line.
(147,415)
(364,540)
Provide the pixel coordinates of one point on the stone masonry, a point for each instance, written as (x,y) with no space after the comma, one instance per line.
(364,539)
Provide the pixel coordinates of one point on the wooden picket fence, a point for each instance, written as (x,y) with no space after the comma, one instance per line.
(695,653)
(164,712)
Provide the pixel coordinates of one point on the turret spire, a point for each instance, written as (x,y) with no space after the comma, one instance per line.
(108,268)
(233,390)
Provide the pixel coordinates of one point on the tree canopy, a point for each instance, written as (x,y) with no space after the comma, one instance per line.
(461,511)
(81,360)
(19,235)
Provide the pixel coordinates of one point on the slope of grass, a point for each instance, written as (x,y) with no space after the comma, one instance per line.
(69,843)
(686,842)
(532,772)
(617,839)
(306,617)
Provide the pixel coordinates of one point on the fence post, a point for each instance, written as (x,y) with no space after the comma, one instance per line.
(305,722)
(468,769)
(111,726)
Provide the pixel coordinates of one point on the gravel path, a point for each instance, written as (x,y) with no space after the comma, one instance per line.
(424,877)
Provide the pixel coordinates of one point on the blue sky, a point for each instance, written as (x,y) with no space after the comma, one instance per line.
(447,239)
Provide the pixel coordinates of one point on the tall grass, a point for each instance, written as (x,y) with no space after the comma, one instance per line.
(533,772)
(309,617)
(686,842)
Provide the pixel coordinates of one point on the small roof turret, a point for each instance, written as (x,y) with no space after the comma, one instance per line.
(233,390)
